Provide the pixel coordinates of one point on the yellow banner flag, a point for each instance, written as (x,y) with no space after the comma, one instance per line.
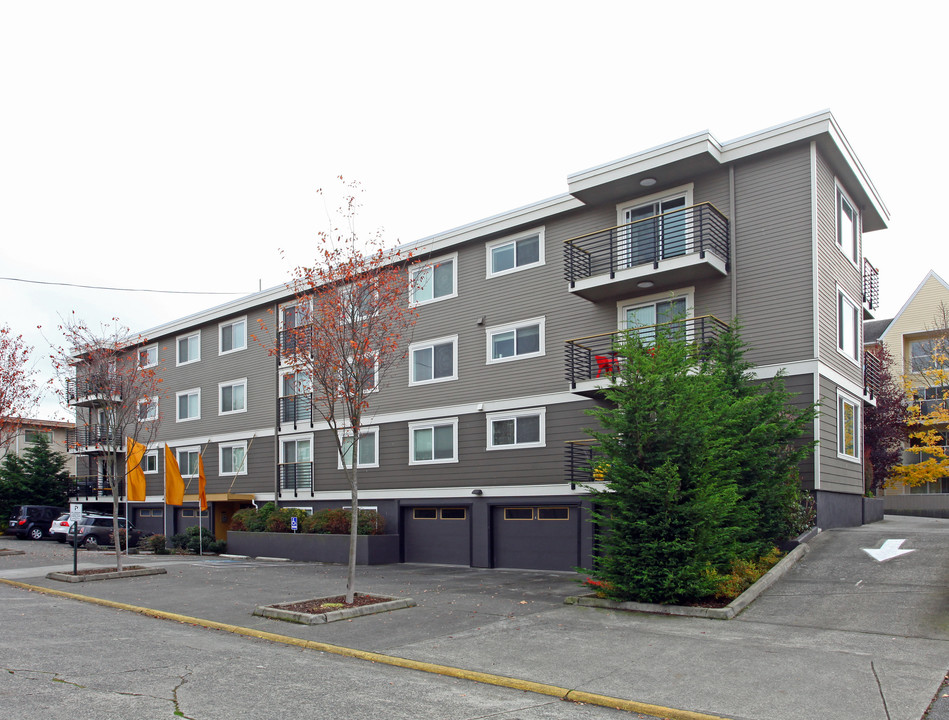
(202,482)
(134,453)
(174,485)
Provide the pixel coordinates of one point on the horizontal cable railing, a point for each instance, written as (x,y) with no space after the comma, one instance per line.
(693,230)
(871,285)
(872,374)
(296,477)
(595,357)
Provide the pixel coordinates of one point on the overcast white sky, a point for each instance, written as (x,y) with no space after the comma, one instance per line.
(179,145)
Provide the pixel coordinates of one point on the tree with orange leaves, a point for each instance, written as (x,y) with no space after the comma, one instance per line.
(18,391)
(114,382)
(346,332)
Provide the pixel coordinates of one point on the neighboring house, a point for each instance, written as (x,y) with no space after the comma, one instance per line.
(472,452)
(907,337)
(53,430)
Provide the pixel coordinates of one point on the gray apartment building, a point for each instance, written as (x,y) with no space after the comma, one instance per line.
(474,452)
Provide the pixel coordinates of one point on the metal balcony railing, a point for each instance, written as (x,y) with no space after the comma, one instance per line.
(914,457)
(294,340)
(99,437)
(595,357)
(296,408)
(693,230)
(91,386)
(578,462)
(90,487)
(872,374)
(296,477)
(871,285)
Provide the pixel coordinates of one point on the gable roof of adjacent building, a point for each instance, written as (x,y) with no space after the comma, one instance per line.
(931,275)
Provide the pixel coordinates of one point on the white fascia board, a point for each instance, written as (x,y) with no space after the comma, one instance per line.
(561,489)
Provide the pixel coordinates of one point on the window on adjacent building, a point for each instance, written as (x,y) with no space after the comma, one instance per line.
(848,224)
(233,336)
(848,427)
(433,361)
(35,436)
(928,354)
(233,396)
(433,442)
(148,409)
(517,253)
(148,356)
(434,280)
(516,340)
(848,326)
(188,461)
(516,429)
(189,348)
(188,405)
(368,449)
(232,458)
(150,462)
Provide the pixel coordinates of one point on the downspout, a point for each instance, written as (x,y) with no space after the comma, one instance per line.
(732,254)
(276,435)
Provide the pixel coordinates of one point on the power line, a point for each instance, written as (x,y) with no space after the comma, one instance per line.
(118,289)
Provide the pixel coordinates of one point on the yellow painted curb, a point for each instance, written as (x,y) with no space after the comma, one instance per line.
(447,670)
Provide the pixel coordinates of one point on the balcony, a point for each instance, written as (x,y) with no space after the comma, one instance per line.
(872,375)
(592,362)
(92,390)
(294,340)
(578,462)
(666,250)
(296,478)
(89,487)
(93,438)
(871,290)
(914,457)
(296,409)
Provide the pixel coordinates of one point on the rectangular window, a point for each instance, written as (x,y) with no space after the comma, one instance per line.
(648,319)
(928,354)
(233,396)
(150,462)
(434,280)
(433,442)
(848,427)
(516,341)
(34,436)
(553,513)
(848,326)
(193,513)
(368,449)
(148,356)
(189,348)
(188,461)
(232,457)
(150,512)
(233,336)
(148,409)
(188,405)
(433,361)
(518,513)
(654,231)
(424,513)
(517,429)
(847,226)
(453,513)
(514,254)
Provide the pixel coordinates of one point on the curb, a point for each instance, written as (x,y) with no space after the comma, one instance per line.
(726,613)
(276,612)
(446,670)
(69,577)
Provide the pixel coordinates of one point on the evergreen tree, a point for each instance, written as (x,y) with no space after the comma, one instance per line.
(39,477)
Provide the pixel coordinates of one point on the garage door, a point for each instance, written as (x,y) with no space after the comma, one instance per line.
(437,535)
(544,537)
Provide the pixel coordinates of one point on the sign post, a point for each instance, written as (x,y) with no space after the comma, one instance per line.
(75,515)
(293,523)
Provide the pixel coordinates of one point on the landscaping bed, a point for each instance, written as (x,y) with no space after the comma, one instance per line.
(328,609)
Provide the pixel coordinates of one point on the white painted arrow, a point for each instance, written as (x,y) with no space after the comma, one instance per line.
(890,549)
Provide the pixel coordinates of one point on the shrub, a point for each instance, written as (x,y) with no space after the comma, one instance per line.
(279,520)
(335,521)
(217,547)
(198,538)
(742,574)
(243,519)
(179,541)
(155,543)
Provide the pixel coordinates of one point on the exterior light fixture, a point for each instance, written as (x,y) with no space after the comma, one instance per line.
(645,284)
(648,181)
(477,491)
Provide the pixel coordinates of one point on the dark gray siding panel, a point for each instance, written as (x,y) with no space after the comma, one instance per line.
(774,267)
(837,475)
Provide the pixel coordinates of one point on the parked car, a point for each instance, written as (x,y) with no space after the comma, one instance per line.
(60,527)
(33,521)
(95,530)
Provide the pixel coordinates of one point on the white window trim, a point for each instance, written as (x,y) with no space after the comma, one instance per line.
(366,431)
(685,191)
(858,427)
(220,458)
(858,326)
(191,391)
(422,267)
(490,418)
(150,454)
(490,332)
(453,339)
(437,422)
(220,396)
(148,349)
(220,335)
(188,449)
(838,192)
(541,257)
(152,403)
(623,305)
(296,438)
(178,339)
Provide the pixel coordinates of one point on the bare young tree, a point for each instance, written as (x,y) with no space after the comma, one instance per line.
(19,393)
(345,334)
(112,379)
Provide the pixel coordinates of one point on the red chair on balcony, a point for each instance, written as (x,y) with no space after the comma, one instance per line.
(606,364)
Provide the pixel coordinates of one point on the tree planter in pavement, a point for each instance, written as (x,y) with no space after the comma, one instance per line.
(311,547)
(279,612)
(139,572)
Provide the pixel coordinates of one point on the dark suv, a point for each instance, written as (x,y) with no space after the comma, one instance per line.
(96,530)
(33,521)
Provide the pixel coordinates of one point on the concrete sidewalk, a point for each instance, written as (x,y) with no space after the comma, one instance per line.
(842,635)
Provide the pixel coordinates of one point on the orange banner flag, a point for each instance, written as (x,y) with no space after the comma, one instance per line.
(202,482)
(134,453)
(174,485)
